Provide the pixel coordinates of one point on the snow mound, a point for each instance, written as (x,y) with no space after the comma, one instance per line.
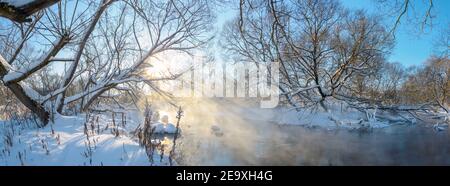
(161,128)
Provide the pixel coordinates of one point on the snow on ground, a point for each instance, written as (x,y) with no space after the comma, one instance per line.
(108,139)
(65,142)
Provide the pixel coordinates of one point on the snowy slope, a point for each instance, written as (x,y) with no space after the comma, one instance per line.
(66,143)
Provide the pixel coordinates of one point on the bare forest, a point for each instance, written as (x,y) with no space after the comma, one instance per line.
(96,66)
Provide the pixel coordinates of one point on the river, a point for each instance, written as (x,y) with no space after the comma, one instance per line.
(221,135)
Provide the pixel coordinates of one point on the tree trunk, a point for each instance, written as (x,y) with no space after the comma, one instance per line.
(20,93)
(323,105)
(68,77)
(21,14)
(31,104)
(94,97)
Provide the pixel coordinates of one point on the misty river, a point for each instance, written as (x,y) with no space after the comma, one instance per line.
(218,134)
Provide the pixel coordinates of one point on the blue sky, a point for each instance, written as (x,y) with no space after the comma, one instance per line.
(411,47)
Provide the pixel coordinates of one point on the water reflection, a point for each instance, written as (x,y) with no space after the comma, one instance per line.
(293,145)
(219,135)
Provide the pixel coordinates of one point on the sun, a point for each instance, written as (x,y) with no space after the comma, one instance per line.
(168,63)
(166,68)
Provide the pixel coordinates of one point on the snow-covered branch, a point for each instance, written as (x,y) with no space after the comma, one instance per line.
(72,69)
(20,10)
(19,75)
(25,94)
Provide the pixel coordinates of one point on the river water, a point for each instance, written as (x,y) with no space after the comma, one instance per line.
(295,145)
(229,138)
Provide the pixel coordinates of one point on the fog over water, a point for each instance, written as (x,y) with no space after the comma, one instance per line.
(233,133)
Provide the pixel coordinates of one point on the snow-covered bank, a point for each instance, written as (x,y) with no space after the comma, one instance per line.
(352,119)
(73,141)
(331,120)
(337,117)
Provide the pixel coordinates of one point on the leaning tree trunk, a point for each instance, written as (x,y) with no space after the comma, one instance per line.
(20,93)
(21,13)
(94,97)
(70,74)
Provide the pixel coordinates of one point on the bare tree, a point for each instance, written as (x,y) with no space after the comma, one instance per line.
(403,10)
(442,43)
(108,46)
(319,44)
(437,77)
